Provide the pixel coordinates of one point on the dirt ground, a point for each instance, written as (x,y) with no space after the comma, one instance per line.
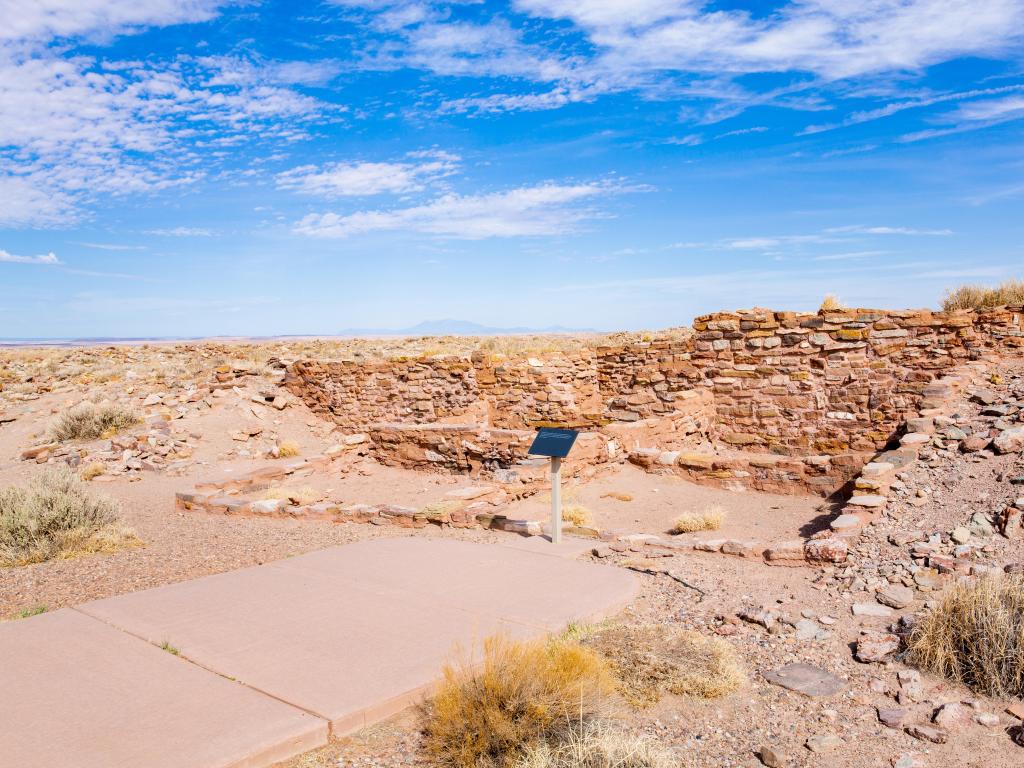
(723,732)
(628,499)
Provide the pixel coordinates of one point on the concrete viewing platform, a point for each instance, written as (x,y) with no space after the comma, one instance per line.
(272,659)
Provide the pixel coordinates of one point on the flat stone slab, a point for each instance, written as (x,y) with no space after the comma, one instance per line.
(76,692)
(358,632)
(805,679)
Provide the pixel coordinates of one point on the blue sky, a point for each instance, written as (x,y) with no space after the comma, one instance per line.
(199,167)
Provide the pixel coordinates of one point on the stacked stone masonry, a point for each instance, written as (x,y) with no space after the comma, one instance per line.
(783,396)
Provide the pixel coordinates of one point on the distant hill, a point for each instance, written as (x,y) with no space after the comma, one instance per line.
(450,327)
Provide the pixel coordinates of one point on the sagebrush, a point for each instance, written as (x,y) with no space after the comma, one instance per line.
(649,660)
(983,297)
(56,516)
(88,421)
(488,712)
(975,636)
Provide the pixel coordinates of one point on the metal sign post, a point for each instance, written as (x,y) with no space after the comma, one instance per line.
(556,500)
(555,443)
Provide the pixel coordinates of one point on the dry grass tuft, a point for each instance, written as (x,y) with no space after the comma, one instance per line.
(617,496)
(649,660)
(88,421)
(298,496)
(286,449)
(488,713)
(92,470)
(831,303)
(56,517)
(975,636)
(598,746)
(576,514)
(981,297)
(710,519)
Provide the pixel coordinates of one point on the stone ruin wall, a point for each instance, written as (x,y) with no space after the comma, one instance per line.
(834,383)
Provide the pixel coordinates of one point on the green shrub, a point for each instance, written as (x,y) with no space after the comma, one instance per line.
(55,516)
(88,421)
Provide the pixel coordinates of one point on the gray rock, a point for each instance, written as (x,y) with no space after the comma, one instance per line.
(772,757)
(891,717)
(806,679)
(895,596)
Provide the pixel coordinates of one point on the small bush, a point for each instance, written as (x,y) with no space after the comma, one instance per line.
(286,449)
(649,660)
(598,746)
(981,297)
(55,516)
(831,303)
(710,519)
(576,514)
(88,421)
(520,695)
(93,470)
(975,636)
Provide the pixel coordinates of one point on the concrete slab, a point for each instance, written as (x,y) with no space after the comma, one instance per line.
(358,632)
(78,693)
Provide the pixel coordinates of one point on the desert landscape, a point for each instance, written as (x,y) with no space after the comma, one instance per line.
(814,497)
(511,384)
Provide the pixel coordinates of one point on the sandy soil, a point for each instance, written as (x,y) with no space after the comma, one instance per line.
(654,501)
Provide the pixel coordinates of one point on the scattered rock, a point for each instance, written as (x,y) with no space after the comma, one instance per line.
(931,733)
(806,679)
(876,647)
(895,596)
(891,717)
(772,757)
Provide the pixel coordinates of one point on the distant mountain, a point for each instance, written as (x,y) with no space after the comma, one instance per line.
(450,327)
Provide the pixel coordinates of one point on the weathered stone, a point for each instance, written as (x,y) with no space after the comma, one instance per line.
(806,679)
(895,596)
(876,647)
(930,733)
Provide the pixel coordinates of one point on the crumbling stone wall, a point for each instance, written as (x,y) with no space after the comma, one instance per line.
(756,380)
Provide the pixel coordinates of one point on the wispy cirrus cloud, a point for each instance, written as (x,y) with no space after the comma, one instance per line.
(181,232)
(415,173)
(544,209)
(48,259)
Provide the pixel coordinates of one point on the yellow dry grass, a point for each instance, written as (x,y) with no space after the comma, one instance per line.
(709,519)
(975,636)
(981,297)
(287,449)
(831,303)
(598,745)
(617,496)
(93,470)
(299,496)
(576,514)
(652,659)
(488,712)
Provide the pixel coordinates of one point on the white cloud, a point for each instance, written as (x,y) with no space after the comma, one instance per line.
(545,209)
(23,203)
(10,258)
(862,230)
(181,232)
(43,19)
(368,178)
(113,247)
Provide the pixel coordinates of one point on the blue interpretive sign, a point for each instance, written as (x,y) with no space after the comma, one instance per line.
(553,442)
